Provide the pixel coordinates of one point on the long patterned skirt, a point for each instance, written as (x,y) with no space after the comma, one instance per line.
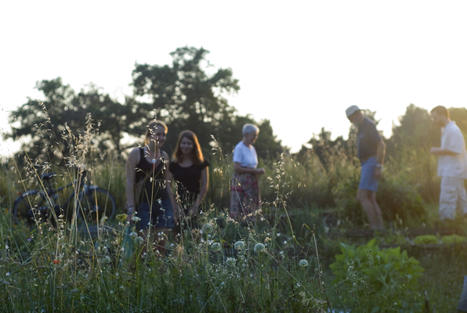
(244,195)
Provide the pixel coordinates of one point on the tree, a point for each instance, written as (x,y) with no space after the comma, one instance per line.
(189,94)
(54,124)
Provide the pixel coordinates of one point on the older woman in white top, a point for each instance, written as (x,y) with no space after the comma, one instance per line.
(245,196)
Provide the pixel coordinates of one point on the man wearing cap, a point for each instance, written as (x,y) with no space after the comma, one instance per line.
(371,150)
(452,164)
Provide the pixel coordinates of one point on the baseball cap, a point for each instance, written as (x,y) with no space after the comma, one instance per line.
(351,110)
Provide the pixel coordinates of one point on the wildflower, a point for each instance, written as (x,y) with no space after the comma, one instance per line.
(231,261)
(216,246)
(133,234)
(121,217)
(103,219)
(239,245)
(8,274)
(303,263)
(55,261)
(207,228)
(259,247)
(135,219)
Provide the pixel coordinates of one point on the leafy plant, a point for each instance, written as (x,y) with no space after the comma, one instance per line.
(373,280)
(453,239)
(426,240)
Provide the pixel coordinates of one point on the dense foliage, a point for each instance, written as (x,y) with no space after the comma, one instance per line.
(377,280)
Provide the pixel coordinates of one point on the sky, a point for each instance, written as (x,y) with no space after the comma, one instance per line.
(300,64)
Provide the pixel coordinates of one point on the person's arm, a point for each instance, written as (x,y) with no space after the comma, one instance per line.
(380,154)
(168,178)
(453,144)
(203,190)
(381,151)
(240,169)
(441,151)
(132,161)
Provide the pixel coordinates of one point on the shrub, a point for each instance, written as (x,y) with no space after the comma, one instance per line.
(453,239)
(373,280)
(426,240)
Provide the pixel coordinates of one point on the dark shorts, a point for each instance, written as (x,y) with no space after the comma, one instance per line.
(367,175)
(160,215)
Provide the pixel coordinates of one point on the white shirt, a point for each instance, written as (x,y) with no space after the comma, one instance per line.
(245,156)
(452,140)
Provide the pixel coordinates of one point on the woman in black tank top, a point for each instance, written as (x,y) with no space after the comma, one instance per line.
(148,189)
(190,172)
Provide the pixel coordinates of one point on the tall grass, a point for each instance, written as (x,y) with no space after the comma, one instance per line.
(278,263)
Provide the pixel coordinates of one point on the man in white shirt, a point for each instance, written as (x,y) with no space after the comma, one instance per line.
(452,165)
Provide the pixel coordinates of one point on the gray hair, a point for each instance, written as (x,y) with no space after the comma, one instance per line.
(249,128)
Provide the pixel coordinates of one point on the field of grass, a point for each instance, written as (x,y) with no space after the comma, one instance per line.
(281,262)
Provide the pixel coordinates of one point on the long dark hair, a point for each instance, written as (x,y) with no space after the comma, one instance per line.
(197,153)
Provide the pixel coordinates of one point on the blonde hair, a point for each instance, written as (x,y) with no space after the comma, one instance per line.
(152,127)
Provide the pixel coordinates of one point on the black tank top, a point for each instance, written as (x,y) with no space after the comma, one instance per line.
(154,186)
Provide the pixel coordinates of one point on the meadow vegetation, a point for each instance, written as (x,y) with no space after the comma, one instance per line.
(309,249)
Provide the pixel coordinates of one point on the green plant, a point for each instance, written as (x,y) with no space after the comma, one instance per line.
(370,279)
(453,239)
(426,240)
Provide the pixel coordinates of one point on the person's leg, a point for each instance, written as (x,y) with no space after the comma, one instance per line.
(447,198)
(365,198)
(164,224)
(236,196)
(461,197)
(367,193)
(377,212)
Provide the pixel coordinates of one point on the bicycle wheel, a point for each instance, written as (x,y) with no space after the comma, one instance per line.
(95,206)
(30,207)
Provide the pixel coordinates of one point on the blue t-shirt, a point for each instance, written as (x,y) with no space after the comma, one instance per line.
(367,139)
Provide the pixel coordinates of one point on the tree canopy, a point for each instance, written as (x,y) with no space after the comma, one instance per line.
(190,93)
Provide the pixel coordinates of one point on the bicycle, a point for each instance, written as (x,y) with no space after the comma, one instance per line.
(91,204)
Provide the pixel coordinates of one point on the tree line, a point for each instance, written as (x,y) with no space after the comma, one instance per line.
(186,94)
(189,93)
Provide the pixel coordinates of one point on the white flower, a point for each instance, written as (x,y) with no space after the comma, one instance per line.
(239,245)
(231,261)
(133,234)
(103,219)
(303,263)
(216,246)
(207,228)
(135,219)
(259,247)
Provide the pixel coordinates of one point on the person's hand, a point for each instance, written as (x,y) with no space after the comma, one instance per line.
(378,172)
(259,171)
